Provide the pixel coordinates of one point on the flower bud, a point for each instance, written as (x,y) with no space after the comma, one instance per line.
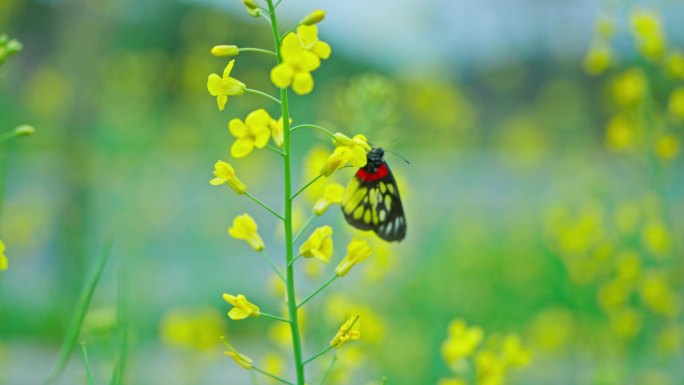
(24,130)
(225,50)
(252,7)
(314,17)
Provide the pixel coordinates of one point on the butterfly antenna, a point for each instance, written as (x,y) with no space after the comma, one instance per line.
(402,158)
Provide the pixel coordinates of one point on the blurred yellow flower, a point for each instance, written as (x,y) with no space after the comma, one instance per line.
(553,329)
(313,163)
(648,32)
(224,173)
(675,64)
(667,147)
(605,27)
(197,329)
(295,69)
(244,227)
(676,104)
(277,130)
(253,132)
(242,308)
(341,306)
(347,151)
(626,323)
(357,251)
(332,194)
(461,342)
(319,245)
(629,87)
(598,59)
(349,331)
(274,364)
(621,134)
(657,294)
(491,370)
(452,381)
(628,266)
(4,262)
(308,37)
(613,294)
(225,86)
(656,237)
(314,17)
(671,338)
(513,353)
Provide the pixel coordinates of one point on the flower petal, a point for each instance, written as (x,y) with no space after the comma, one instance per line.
(281,75)
(321,49)
(214,84)
(221,100)
(229,67)
(237,128)
(242,147)
(302,83)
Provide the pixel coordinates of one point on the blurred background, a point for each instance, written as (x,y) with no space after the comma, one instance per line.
(543,195)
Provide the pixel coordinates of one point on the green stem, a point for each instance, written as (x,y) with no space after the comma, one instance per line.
(273,266)
(277,4)
(81,310)
(289,255)
(295,259)
(264,205)
(274,149)
(304,226)
(257,50)
(122,326)
(322,352)
(86,363)
(329,370)
(253,377)
(301,190)
(323,286)
(8,136)
(257,92)
(275,317)
(273,376)
(295,128)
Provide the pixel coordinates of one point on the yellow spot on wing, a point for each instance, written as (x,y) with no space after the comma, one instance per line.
(358,212)
(355,199)
(390,187)
(388,201)
(383,187)
(367,216)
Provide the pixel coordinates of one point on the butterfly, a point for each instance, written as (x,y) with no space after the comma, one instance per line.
(372,202)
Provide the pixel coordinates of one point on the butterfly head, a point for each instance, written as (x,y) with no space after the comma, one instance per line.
(375,156)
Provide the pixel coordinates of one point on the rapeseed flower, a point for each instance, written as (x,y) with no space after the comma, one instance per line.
(319,245)
(308,37)
(332,194)
(244,227)
(225,86)
(347,151)
(462,342)
(239,358)
(296,67)
(276,127)
(349,331)
(357,251)
(253,132)
(242,308)
(224,173)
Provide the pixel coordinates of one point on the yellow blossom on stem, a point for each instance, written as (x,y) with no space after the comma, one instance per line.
(253,132)
(675,64)
(667,147)
(239,358)
(332,194)
(277,131)
(676,104)
(347,151)
(308,37)
(241,307)
(462,341)
(491,369)
(514,354)
(357,251)
(4,262)
(225,86)
(319,245)
(295,70)
(598,59)
(648,32)
(224,173)
(194,328)
(350,330)
(244,227)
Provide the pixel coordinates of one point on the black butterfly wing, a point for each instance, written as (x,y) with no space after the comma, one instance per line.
(375,204)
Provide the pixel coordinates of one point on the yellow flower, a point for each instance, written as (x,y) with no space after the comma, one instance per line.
(277,130)
(451,381)
(4,262)
(629,87)
(241,307)
(357,251)
(676,105)
(626,323)
(332,194)
(648,32)
(295,70)
(245,228)
(656,237)
(197,329)
(491,369)
(253,132)
(657,294)
(313,18)
(319,245)
(462,342)
(347,151)
(513,353)
(308,37)
(224,173)
(225,86)
(348,331)
(675,64)
(224,50)
(239,358)
(598,59)
(621,134)
(667,147)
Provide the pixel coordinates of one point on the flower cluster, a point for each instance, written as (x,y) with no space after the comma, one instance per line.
(493,357)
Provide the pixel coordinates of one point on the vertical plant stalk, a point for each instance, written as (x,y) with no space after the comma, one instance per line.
(291,300)
(81,310)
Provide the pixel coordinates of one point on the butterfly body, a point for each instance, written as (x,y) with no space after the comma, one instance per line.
(372,202)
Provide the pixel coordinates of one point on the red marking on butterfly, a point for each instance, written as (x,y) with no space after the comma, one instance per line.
(372,176)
